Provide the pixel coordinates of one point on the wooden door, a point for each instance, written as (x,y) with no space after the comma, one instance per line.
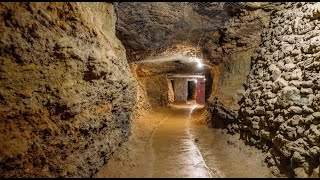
(200,91)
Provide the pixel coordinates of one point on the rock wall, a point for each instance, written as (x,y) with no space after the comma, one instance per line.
(280,110)
(157,90)
(231,49)
(142,103)
(170,92)
(66,90)
(153,88)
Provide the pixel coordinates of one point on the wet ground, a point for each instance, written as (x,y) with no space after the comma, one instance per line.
(175,152)
(184,149)
(179,148)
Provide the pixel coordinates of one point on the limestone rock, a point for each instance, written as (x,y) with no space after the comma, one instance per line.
(288,56)
(300,173)
(307,109)
(298,158)
(66,89)
(287,96)
(316,115)
(295,110)
(313,134)
(306,84)
(296,74)
(275,72)
(316,102)
(306,91)
(315,151)
(279,84)
(294,121)
(260,110)
(289,66)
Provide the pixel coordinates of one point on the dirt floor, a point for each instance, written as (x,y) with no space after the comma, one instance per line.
(131,159)
(170,142)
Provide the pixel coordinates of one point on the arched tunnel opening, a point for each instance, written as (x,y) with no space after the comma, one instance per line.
(159,89)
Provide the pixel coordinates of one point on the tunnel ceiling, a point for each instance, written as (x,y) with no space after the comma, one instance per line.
(165,29)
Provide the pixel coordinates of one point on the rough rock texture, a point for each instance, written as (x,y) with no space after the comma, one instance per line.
(157,31)
(154,89)
(66,90)
(151,28)
(280,109)
(231,49)
(157,90)
(142,103)
(170,91)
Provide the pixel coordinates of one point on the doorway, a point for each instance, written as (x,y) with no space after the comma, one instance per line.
(192,91)
(187,88)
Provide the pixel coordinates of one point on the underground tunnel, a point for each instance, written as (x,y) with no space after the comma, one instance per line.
(159,89)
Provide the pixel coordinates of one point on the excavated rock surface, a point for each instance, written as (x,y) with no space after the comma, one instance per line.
(231,51)
(170,92)
(167,28)
(280,109)
(154,89)
(66,90)
(151,28)
(67,96)
(157,90)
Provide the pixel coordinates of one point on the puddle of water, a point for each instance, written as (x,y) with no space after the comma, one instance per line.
(174,153)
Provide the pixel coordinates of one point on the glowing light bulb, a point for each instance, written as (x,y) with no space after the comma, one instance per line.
(200,65)
(195,80)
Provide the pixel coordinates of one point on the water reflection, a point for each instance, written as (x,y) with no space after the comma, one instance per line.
(174,150)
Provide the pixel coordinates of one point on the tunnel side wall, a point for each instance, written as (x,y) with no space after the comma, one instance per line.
(153,89)
(66,90)
(281,105)
(170,91)
(157,90)
(232,49)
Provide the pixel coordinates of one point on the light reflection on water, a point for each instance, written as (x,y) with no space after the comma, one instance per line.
(175,153)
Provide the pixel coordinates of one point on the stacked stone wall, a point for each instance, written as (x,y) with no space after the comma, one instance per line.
(280,110)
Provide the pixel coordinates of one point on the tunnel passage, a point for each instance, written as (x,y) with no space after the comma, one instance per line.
(76,77)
